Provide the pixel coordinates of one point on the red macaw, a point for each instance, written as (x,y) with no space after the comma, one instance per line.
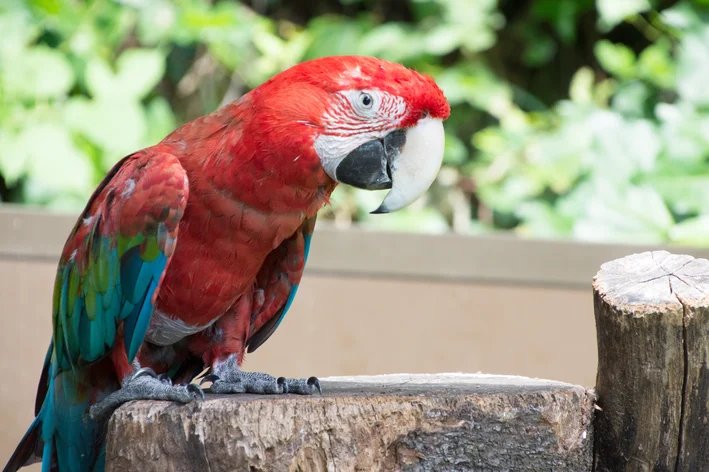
(190,252)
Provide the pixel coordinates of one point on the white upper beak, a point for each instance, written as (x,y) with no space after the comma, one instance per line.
(415,169)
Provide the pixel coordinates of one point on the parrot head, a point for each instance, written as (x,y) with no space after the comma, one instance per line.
(373,124)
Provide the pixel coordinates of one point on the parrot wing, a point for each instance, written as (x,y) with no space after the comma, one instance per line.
(114,259)
(279,278)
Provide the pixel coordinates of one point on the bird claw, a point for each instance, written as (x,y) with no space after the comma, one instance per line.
(208,378)
(194,389)
(144,371)
(257,382)
(165,378)
(302,386)
(145,384)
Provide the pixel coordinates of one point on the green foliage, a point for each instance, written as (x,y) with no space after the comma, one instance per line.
(624,158)
(582,119)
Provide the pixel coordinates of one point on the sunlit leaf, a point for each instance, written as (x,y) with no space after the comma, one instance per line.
(581,88)
(685,132)
(13,162)
(455,151)
(693,68)
(117,126)
(612,12)
(655,64)
(53,161)
(541,220)
(138,72)
(694,232)
(40,73)
(634,214)
(617,58)
(161,120)
(18,31)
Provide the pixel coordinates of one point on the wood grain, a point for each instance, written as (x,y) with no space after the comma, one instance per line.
(396,422)
(653,345)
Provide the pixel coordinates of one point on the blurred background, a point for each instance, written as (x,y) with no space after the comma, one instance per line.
(579,133)
(571,118)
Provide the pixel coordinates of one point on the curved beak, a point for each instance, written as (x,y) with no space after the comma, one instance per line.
(405,161)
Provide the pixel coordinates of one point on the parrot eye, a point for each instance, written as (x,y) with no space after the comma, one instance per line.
(366,100)
(364,103)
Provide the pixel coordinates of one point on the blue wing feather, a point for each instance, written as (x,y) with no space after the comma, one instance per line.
(108,275)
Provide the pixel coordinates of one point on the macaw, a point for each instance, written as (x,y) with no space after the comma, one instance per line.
(190,252)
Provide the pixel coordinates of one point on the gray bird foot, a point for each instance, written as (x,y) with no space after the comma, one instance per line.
(145,384)
(257,382)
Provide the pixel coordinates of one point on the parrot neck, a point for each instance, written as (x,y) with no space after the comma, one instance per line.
(239,154)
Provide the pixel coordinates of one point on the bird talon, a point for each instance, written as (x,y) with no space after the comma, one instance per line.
(144,371)
(165,378)
(314,381)
(283,384)
(209,378)
(195,389)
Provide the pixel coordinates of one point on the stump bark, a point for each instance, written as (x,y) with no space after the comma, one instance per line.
(398,422)
(652,320)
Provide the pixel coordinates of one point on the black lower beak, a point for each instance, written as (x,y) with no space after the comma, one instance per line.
(369,166)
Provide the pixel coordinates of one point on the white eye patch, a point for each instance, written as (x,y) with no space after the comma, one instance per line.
(365,103)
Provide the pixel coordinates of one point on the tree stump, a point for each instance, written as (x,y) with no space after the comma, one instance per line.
(398,422)
(652,319)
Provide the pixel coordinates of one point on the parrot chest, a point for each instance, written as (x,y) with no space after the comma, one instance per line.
(215,264)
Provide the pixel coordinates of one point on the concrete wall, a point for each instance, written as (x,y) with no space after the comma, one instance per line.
(369,304)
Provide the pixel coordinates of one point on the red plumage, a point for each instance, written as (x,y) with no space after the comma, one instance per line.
(254,178)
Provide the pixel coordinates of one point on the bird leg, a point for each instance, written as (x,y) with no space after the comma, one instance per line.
(228,378)
(145,384)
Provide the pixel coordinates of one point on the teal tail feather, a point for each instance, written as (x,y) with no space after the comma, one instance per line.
(30,449)
(62,436)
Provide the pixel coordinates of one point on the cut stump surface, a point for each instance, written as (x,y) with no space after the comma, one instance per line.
(393,422)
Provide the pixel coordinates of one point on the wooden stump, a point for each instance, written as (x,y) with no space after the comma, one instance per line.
(447,422)
(652,319)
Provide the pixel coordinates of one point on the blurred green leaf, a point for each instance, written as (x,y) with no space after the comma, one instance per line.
(636,214)
(693,68)
(541,220)
(157,21)
(52,160)
(685,194)
(38,74)
(581,88)
(138,72)
(656,65)
(476,85)
(13,163)
(18,31)
(631,99)
(161,120)
(618,59)
(333,36)
(563,14)
(613,12)
(694,232)
(684,131)
(539,50)
(682,16)
(455,151)
(117,126)
(541,139)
